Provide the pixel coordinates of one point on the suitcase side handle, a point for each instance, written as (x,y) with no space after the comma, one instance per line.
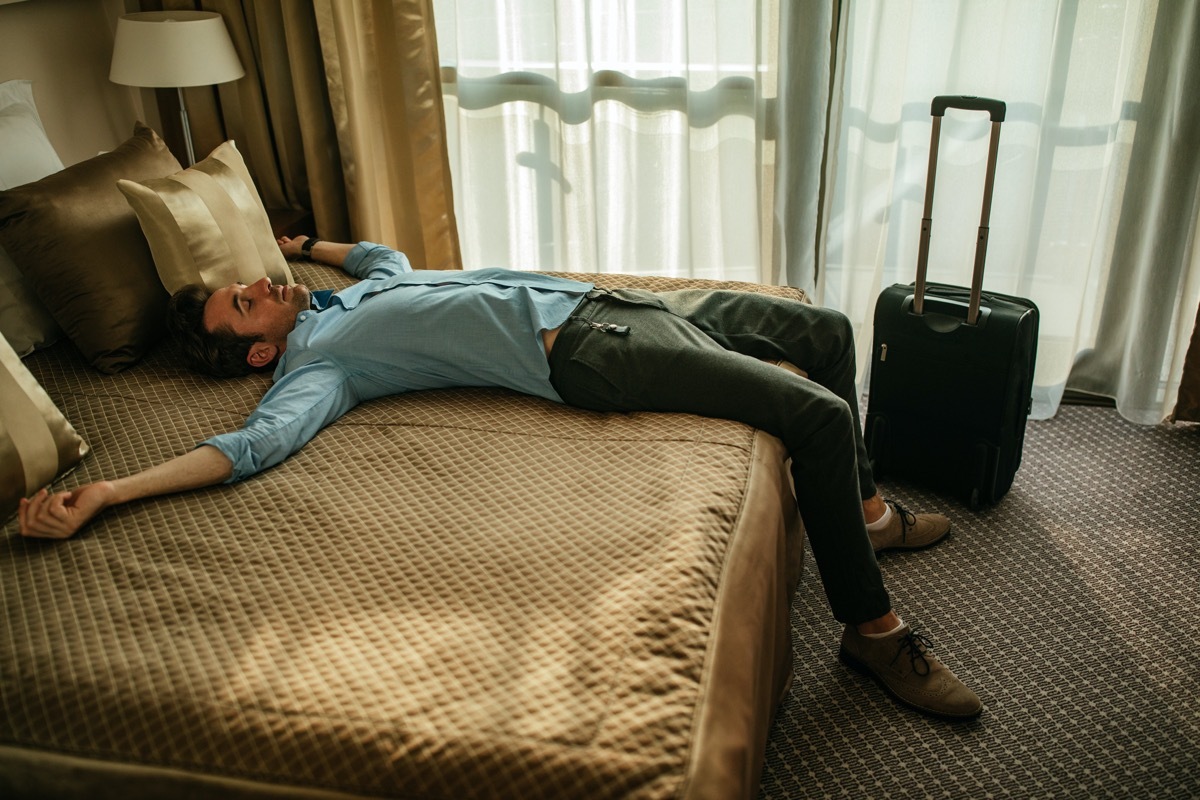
(968,102)
(995,108)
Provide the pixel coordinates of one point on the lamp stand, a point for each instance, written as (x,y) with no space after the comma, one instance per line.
(187,128)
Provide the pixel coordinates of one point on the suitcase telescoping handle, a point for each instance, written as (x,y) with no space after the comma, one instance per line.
(995,109)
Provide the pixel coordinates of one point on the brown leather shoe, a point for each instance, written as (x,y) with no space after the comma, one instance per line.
(909,531)
(903,664)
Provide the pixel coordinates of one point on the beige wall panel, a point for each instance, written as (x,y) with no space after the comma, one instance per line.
(65,48)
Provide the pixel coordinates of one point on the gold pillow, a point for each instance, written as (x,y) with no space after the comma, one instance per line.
(37,444)
(207,224)
(78,245)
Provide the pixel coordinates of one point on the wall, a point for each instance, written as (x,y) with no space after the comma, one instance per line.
(65,48)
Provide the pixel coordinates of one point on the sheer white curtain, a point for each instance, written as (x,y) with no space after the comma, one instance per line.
(611,136)
(1096,195)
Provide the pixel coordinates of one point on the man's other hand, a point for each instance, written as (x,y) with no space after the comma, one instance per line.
(60,515)
(290,247)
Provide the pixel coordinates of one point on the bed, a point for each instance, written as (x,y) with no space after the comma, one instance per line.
(449,594)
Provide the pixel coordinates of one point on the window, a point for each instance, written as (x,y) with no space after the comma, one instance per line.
(598,137)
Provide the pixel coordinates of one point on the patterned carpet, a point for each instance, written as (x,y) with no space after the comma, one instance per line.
(1070,608)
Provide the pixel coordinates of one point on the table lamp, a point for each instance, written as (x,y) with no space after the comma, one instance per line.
(164,49)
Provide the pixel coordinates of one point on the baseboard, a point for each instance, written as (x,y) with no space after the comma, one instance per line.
(1074,397)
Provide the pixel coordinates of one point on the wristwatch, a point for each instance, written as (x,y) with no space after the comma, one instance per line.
(307,245)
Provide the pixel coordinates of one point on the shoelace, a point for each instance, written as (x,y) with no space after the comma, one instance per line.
(907,519)
(916,644)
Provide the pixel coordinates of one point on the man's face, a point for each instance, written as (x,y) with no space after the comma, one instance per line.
(260,309)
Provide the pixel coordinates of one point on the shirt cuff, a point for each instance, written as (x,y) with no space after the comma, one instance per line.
(237,450)
(364,256)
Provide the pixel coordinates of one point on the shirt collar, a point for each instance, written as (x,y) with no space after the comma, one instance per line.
(320,298)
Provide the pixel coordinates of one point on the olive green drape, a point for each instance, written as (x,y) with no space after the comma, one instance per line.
(1187,407)
(340,112)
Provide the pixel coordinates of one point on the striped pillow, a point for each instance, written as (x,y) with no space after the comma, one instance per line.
(207,225)
(37,444)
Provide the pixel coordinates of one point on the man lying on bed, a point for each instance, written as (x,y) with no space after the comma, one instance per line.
(700,352)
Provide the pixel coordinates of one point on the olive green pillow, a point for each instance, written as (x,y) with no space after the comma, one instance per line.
(207,225)
(79,247)
(37,443)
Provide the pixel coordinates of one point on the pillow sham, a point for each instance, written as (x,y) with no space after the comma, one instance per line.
(16,91)
(25,155)
(207,224)
(79,247)
(37,443)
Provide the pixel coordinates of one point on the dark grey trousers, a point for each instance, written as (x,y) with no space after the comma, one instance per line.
(700,352)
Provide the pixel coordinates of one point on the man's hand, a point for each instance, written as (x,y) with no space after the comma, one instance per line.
(290,247)
(60,515)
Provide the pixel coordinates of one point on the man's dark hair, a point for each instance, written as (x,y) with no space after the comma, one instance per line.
(221,352)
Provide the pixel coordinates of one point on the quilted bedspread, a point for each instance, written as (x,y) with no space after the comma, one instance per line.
(450,594)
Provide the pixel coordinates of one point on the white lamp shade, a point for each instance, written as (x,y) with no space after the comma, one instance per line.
(172,49)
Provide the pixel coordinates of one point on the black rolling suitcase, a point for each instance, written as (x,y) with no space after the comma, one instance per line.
(952,368)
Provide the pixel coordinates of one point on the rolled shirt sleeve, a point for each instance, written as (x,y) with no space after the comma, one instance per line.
(291,413)
(367,260)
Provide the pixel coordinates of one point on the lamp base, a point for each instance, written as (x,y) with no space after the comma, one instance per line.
(187,129)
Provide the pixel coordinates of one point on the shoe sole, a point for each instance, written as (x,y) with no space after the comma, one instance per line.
(897,548)
(859,666)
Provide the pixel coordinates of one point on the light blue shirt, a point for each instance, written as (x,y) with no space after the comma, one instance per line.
(399,330)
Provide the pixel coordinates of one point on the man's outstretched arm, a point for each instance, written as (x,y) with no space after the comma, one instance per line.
(60,515)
